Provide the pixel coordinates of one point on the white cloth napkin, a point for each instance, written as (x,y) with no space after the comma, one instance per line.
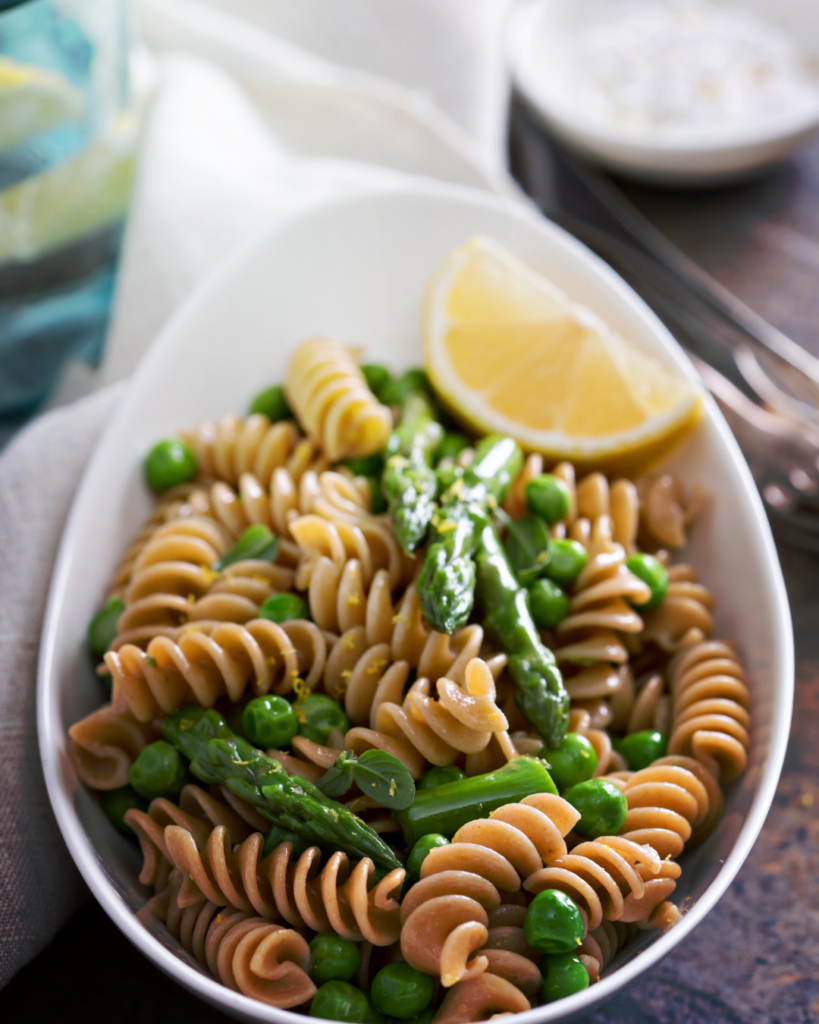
(254,108)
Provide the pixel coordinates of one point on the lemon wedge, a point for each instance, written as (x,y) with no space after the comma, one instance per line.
(508,351)
(33,99)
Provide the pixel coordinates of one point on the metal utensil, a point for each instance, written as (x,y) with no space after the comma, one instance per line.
(766,384)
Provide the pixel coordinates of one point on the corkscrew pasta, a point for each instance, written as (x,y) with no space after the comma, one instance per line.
(314,653)
(330,397)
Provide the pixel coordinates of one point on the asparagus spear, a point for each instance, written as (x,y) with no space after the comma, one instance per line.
(295,805)
(444,809)
(409,481)
(446,585)
(539,690)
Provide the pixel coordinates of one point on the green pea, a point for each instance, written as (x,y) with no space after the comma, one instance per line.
(157,771)
(269,721)
(439,776)
(283,608)
(602,807)
(317,715)
(401,991)
(568,560)
(368,465)
(573,761)
(421,849)
(642,749)
(378,378)
(271,403)
(334,958)
(451,446)
(651,571)
(548,603)
(168,464)
(553,923)
(564,976)
(102,629)
(549,497)
(115,803)
(339,1000)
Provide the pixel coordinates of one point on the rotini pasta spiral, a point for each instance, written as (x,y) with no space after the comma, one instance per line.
(370,543)
(484,997)
(262,960)
(444,916)
(508,954)
(461,721)
(601,946)
(650,707)
(611,877)
(105,744)
(233,446)
(172,582)
(711,702)
(333,495)
(329,395)
(665,511)
(341,898)
(671,804)
(590,635)
(197,812)
(206,660)
(178,503)
(687,605)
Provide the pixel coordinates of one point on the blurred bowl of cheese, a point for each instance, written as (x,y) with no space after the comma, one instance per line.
(67,153)
(674,92)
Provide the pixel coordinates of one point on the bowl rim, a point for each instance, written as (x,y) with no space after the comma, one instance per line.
(51,734)
(647,151)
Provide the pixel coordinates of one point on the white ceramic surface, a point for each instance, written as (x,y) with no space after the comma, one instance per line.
(358,268)
(697,160)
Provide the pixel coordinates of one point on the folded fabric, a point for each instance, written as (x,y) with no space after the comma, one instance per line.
(39,885)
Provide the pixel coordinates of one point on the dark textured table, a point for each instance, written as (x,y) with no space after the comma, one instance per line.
(756,958)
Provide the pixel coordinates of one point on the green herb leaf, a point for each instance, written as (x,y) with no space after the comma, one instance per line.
(339,777)
(385,779)
(257,543)
(527,547)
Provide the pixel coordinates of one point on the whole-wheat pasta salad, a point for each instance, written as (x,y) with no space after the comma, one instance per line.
(409,723)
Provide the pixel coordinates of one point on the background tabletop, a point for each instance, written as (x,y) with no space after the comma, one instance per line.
(756,958)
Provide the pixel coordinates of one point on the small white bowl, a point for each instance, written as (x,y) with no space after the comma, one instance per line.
(358,268)
(699,157)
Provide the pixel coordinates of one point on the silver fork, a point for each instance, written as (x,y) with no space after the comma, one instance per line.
(766,385)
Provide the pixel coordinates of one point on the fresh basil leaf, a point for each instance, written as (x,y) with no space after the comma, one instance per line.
(257,543)
(385,779)
(339,777)
(527,547)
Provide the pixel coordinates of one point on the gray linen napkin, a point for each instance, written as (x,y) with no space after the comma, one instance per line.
(39,886)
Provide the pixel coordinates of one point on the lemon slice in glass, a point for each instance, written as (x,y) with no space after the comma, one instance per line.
(33,99)
(73,198)
(508,351)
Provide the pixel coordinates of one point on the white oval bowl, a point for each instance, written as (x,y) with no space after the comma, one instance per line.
(700,158)
(357,268)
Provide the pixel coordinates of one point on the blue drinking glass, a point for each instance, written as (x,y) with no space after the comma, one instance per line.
(67,154)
